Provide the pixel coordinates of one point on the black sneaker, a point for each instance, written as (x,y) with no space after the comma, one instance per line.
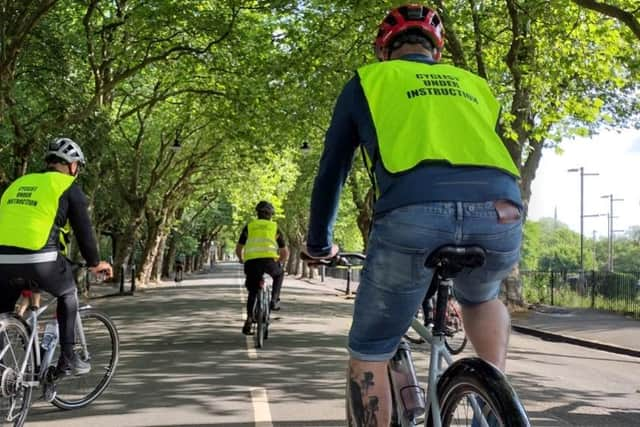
(77,366)
(275,305)
(246,329)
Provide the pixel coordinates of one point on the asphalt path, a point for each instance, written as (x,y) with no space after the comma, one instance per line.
(185,363)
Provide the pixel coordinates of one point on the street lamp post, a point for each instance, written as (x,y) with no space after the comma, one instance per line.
(594,235)
(610,229)
(582,175)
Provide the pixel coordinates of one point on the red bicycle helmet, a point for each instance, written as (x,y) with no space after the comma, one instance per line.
(410,17)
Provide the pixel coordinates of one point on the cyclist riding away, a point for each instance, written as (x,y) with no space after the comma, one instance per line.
(37,212)
(262,249)
(441,176)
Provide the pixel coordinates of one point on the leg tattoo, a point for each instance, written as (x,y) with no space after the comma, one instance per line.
(364,414)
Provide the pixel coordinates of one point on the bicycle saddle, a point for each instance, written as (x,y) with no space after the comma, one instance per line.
(449,259)
(23,284)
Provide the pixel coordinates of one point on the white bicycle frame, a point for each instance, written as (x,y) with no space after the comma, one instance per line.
(44,361)
(437,358)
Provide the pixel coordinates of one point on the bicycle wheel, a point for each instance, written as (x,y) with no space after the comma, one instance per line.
(455,339)
(260,319)
(103,350)
(473,378)
(15,398)
(267,312)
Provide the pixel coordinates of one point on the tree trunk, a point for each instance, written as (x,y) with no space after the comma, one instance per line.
(221,251)
(293,263)
(294,259)
(364,219)
(124,245)
(159,262)
(214,252)
(155,236)
(169,259)
(125,242)
(204,253)
(364,203)
(148,256)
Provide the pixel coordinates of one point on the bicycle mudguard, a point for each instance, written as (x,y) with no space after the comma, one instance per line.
(495,382)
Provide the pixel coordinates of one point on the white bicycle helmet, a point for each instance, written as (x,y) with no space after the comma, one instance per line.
(65,149)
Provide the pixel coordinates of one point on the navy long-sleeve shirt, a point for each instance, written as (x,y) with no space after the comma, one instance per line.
(352,126)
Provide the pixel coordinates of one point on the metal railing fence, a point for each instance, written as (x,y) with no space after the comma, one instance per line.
(616,292)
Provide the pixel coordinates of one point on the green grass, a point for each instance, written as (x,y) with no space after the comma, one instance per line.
(538,291)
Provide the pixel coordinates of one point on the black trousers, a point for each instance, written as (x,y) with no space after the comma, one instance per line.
(254,269)
(54,277)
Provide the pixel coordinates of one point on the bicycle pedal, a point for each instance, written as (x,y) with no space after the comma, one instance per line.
(49,393)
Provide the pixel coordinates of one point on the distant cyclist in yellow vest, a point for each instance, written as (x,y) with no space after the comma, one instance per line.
(442,175)
(36,212)
(262,249)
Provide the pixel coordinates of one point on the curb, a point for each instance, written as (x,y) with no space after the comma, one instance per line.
(551,336)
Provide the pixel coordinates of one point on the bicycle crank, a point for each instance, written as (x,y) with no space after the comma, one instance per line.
(9,382)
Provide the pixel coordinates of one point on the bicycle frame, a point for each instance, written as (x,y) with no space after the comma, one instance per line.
(34,346)
(437,358)
(43,361)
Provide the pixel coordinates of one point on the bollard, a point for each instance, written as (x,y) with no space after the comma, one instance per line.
(133,279)
(122,279)
(322,272)
(348,291)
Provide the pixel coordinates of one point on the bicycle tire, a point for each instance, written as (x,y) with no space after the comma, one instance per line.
(260,319)
(14,333)
(455,339)
(455,345)
(267,311)
(103,345)
(474,376)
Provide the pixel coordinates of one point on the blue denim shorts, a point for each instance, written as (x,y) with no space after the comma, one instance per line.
(394,280)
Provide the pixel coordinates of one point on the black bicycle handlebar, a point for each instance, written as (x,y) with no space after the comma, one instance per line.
(340,259)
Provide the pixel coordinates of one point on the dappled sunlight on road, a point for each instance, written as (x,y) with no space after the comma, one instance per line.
(184,362)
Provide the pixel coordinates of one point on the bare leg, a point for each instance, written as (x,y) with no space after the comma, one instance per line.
(487,326)
(369,394)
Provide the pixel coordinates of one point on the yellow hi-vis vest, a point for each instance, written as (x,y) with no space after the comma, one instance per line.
(261,240)
(433,112)
(28,209)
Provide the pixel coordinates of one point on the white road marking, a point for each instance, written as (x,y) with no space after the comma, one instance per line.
(251,349)
(261,412)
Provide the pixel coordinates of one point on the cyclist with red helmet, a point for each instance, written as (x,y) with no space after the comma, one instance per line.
(441,175)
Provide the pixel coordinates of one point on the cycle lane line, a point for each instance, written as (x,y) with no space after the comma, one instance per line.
(259,399)
(261,410)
